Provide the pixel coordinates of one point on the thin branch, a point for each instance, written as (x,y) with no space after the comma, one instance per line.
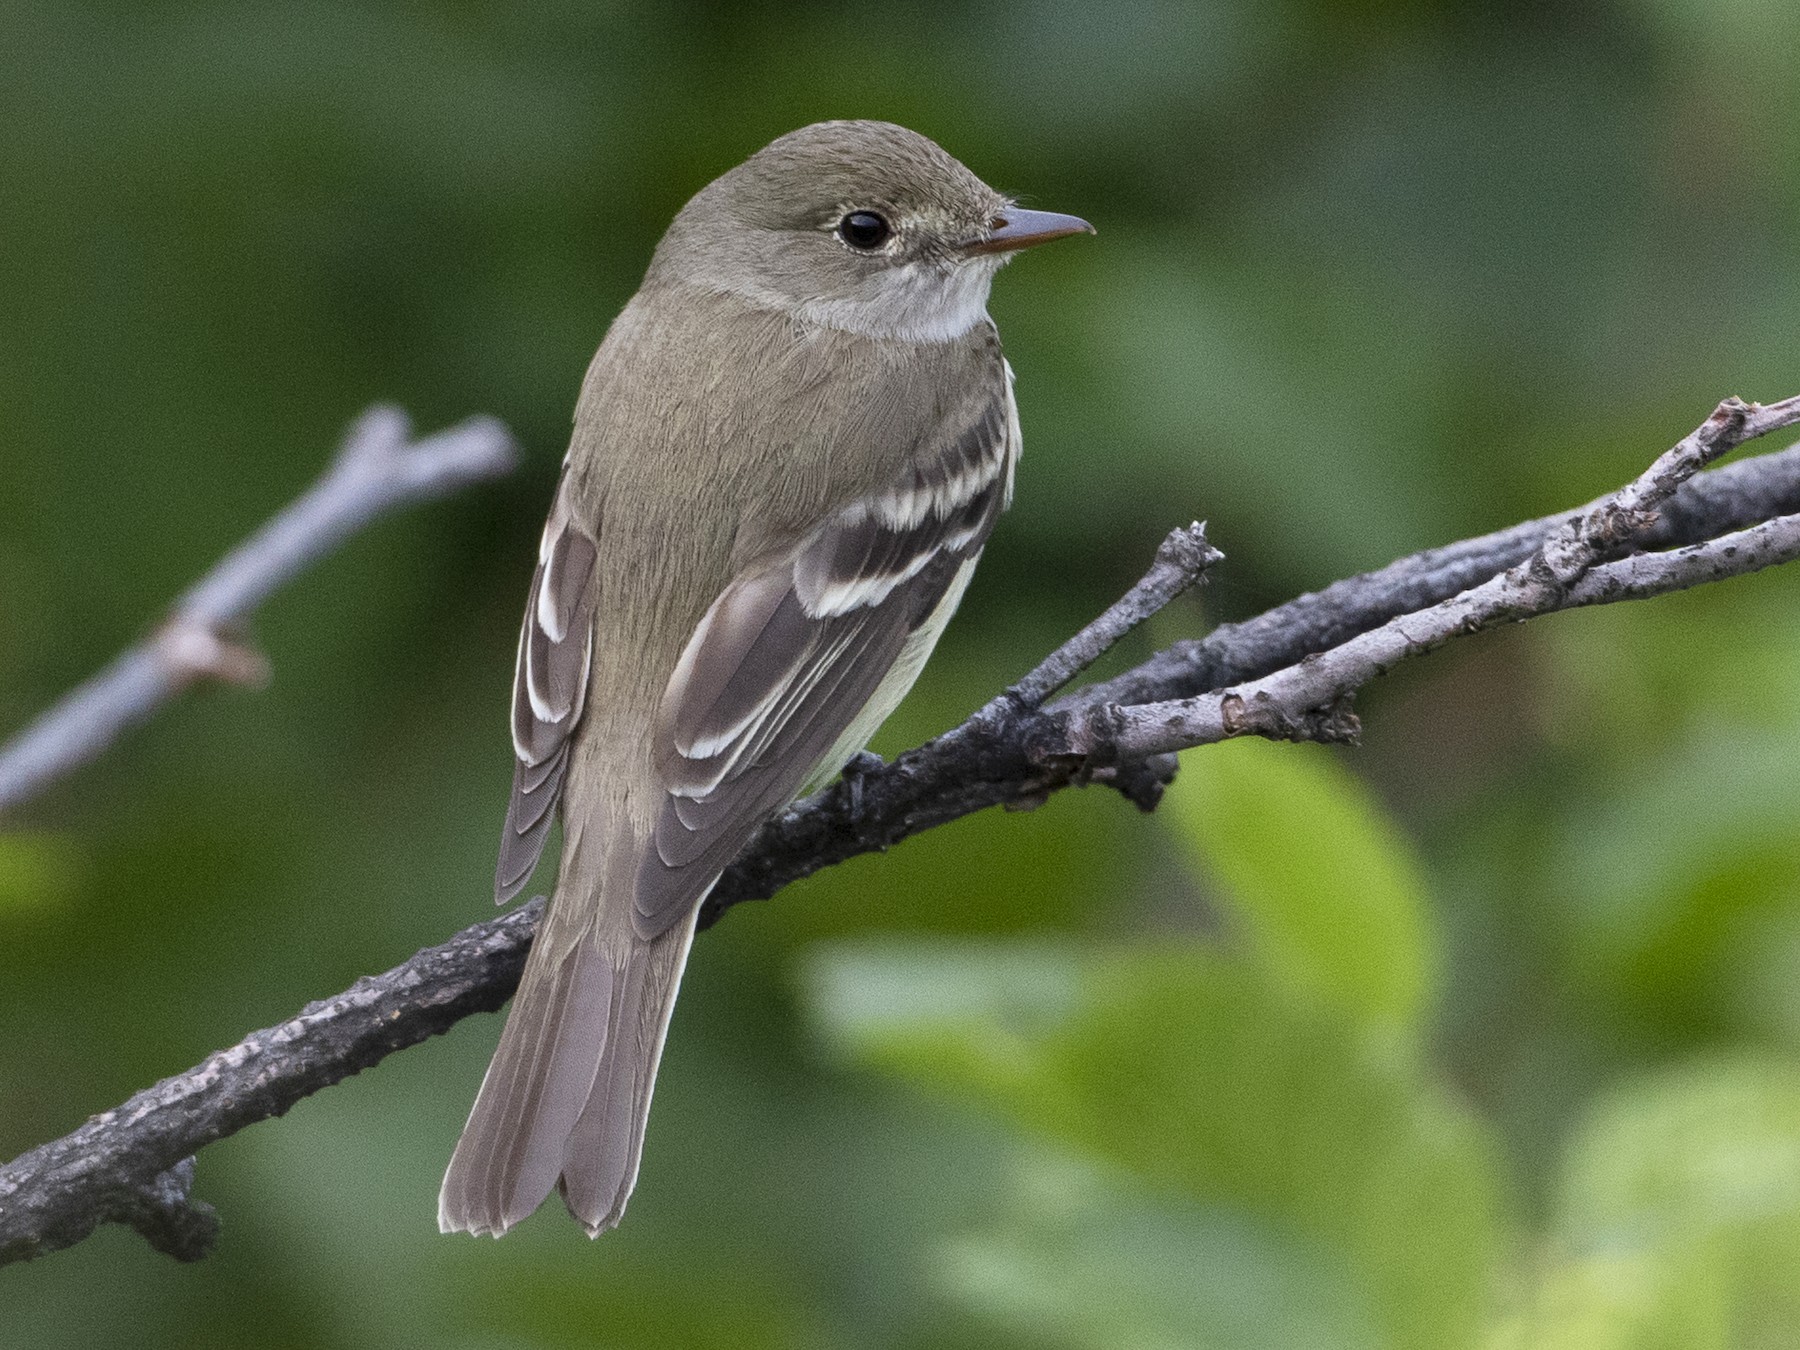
(1181,560)
(375,471)
(1644,575)
(1292,671)
(134,1164)
(1309,700)
(1730,497)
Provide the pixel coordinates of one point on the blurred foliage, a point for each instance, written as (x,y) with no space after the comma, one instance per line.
(1340,907)
(1679,1218)
(1213,1082)
(1486,1034)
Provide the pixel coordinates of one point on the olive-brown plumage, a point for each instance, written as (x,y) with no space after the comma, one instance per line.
(788,453)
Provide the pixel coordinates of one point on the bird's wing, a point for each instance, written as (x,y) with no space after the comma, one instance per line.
(556,648)
(776,678)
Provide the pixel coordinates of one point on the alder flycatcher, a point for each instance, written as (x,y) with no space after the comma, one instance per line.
(788,453)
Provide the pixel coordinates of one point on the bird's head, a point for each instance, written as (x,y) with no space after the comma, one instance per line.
(861,226)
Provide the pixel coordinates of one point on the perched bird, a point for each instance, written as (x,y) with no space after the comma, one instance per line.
(788,453)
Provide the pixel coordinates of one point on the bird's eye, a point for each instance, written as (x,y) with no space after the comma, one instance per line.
(864,229)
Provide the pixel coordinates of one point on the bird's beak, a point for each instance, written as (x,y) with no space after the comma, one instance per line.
(1015,229)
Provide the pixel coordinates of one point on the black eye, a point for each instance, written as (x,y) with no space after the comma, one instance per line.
(864,229)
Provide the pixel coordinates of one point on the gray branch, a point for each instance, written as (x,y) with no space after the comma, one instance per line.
(1181,560)
(134,1164)
(1309,699)
(375,471)
(1731,497)
(1289,672)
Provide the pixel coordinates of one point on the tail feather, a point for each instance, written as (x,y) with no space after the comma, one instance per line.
(564,1102)
(600,1162)
(511,1150)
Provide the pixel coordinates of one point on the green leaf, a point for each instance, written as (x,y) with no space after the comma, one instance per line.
(1213,1081)
(1679,1222)
(1326,885)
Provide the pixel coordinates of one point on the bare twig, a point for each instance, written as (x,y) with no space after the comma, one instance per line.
(1309,700)
(375,471)
(128,1165)
(1730,497)
(1181,561)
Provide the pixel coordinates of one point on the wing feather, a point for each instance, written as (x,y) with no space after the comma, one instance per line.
(789,655)
(556,652)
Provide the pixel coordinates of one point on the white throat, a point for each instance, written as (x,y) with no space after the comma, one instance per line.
(912,303)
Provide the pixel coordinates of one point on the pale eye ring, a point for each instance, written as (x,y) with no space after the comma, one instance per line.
(864,230)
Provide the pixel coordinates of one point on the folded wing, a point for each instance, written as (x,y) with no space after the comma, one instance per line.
(796,663)
(556,649)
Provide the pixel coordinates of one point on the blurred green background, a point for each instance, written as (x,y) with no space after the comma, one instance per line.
(1486,1034)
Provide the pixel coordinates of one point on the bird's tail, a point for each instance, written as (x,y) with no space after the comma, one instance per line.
(565,1099)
